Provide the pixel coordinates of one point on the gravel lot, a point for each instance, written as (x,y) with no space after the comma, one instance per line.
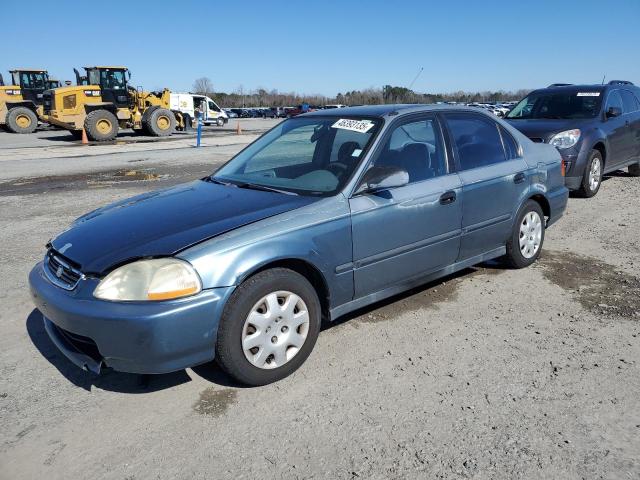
(491,373)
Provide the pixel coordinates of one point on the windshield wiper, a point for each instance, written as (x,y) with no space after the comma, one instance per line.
(212,179)
(264,188)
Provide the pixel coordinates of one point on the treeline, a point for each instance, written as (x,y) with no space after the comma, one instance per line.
(370,96)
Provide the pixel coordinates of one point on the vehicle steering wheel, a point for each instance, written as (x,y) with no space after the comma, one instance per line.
(337,168)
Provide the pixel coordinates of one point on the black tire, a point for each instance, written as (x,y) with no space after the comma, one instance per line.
(229,353)
(634,170)
(21,120)
(101,126)
(220,121)
(515,257)
(161,122)
(585,190)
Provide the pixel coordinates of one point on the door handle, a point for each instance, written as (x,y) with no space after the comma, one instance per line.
(447,198)
(519,177)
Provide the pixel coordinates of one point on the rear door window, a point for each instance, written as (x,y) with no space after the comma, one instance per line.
(476,139)
(629,101)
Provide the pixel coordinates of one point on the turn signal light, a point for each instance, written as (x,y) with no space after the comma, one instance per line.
(563,168)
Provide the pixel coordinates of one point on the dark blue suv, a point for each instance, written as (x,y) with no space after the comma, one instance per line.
(596,128)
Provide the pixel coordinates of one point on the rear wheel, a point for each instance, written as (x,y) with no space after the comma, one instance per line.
(634,170)
(592,178)
(525,243)
(101,126)
(161,122)
(269,327)
(21,120)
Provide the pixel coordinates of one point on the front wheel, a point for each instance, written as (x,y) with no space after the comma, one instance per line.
(21,120)
(220,121)
(592,177)
(527,236)
(269,327)
(161,122)
(101,126)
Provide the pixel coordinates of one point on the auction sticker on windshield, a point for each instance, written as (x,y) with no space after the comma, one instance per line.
(588,94)
(362,126)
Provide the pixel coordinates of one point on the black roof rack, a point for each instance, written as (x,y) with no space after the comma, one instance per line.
(559,85)
(620,82)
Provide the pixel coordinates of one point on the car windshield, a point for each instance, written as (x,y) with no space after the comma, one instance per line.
(306,156)
(564,105)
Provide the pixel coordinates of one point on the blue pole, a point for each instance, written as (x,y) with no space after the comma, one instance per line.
(199,129)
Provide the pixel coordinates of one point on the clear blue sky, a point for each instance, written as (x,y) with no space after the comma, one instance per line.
(331,46)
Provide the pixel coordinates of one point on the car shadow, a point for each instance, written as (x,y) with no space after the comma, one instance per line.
(109,380)
(490,267)
(617,174)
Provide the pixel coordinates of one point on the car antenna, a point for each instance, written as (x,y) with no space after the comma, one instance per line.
(416,77)
(605,76)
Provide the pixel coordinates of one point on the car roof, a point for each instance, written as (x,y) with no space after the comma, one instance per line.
(384,110)
(574,88)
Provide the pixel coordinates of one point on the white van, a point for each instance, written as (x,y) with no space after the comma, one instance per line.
(188,103)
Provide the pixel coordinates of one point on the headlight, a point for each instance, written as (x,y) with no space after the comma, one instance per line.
(565,139)
(157,279)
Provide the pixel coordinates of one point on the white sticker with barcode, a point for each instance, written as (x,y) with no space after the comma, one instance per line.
(362,126)
(588,94)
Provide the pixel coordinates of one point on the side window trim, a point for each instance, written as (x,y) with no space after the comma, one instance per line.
(454,146)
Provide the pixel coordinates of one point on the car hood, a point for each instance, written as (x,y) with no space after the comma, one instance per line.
(544,127)
(164,222)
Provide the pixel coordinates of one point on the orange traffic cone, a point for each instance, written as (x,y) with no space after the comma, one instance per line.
(85,140)
(238,129)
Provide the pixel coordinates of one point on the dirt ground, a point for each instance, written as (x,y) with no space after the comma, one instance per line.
(491,373)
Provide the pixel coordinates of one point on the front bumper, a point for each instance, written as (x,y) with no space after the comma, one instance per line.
(134,337)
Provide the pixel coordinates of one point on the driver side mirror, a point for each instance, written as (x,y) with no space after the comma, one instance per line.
(382,178)
(613,112)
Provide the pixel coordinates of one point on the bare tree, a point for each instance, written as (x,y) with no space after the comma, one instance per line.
(203,86)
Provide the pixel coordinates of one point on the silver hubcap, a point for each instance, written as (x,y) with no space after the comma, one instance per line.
(275,329)
(530,234)
(594,174)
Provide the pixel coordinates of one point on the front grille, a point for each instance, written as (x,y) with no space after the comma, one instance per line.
(82,344)
(536,139)
(60,271)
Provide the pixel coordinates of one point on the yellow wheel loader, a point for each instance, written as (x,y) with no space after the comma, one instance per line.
(21,103)
(102,102)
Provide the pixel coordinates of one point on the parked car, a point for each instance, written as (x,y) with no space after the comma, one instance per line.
(230,113)
(596,128)
(241,112)
(322,215)
(299,110)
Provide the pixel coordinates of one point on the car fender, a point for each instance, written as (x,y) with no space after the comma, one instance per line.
(591,138)
(318,234)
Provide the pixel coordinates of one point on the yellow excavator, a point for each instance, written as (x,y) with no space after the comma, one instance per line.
(103,101)
(21,102)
